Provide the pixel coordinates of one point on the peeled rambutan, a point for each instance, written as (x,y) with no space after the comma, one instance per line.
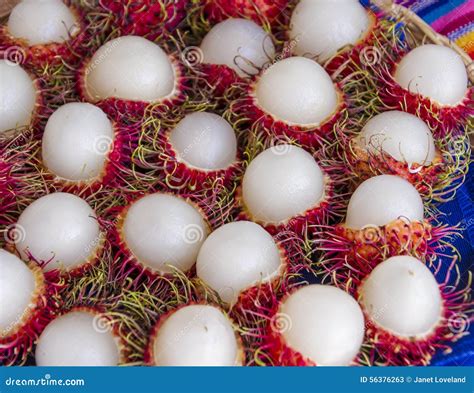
(315,325)
(314,23)
(284,188)
(82,148)
(61,233)
(20,98)
(399,143)
(429,81)
(44,32)
(159,233)
(24,296)
(129,74)
(195,153)
(294,98)
(194,335)
(147,18)
(80,337)
(264,12)
(246,267)
(409,315)
(385,217)
(233,50)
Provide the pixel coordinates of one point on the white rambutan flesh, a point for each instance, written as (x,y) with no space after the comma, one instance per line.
(433,71)
(298,91)
(42,22)
(324,324)
(18,97)
(76,142)
(78,338)
(239,44)
(17,288)
(164,231)
(130,68)
(402,135)
(402,296)
(322,28)
(205,141)
(280,183)
(236,257)
(196,335)
(60,229)
(382,199)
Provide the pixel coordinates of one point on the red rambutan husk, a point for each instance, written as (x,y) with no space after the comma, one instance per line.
(253,308)
(134,111)
(125,265)
(388,349)
(310,224)
(273,350)
(443,119)
(219,76)
(17,189)
(16,343)
(341,62)
(437,181)
(356,252)
(41,55)
(158,158)
(147,18)
(115,172)
(263,12)
(246,109)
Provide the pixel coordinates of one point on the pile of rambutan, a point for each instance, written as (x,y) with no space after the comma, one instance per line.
(228,183)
